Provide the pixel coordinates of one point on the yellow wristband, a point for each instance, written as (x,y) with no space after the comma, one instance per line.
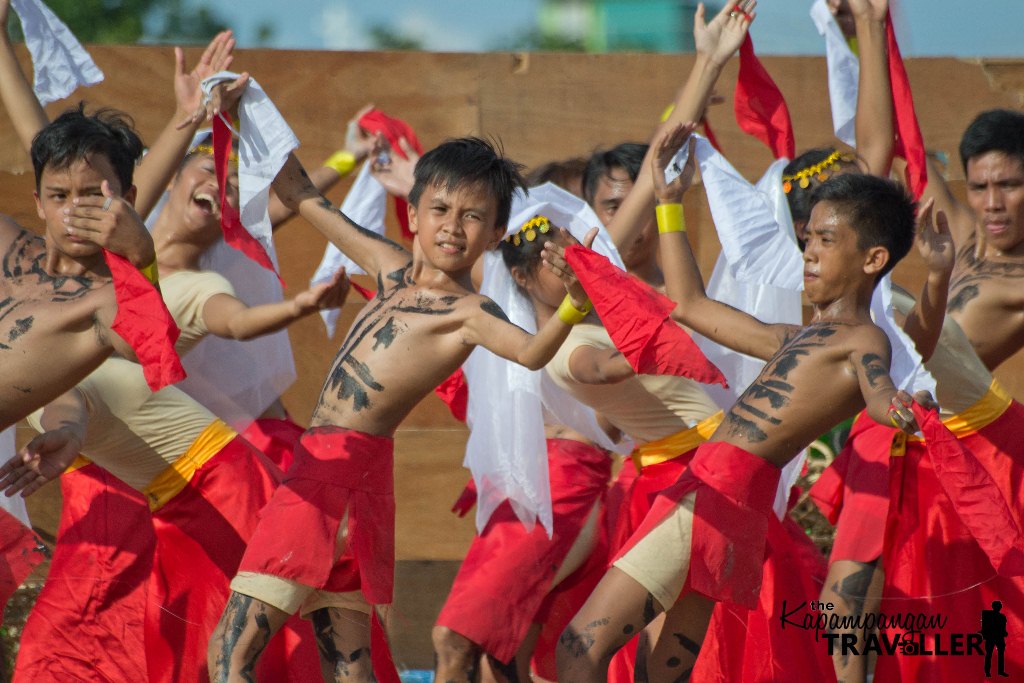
(569,314)
(670,218)
(151,273)
(341,161)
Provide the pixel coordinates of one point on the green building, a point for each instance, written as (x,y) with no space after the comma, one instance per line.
(621,25)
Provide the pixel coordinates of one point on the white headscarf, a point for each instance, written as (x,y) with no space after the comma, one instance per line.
(506,451)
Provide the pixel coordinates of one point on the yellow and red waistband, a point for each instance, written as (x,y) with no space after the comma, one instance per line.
(669,447)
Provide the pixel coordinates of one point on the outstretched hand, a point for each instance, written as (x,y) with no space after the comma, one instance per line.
(187,91)
(934,241)
(111,222)
(43,459)
(666,146)
(391,170)
(358,141)
(553,257)
(722,36)
(872,10)
(325,295)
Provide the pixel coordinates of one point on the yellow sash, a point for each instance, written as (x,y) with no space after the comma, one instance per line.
(663,450)
(77,463)
(982,413)
(178,474)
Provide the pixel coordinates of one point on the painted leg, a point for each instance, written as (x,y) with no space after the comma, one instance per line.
(617,609)
(456,656)
(343,640)
(244,629)
(679,643)
(854,589)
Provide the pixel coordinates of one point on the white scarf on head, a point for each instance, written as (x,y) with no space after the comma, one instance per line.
(60,62)
(506,451)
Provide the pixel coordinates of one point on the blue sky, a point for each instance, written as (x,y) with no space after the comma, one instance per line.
(963,28)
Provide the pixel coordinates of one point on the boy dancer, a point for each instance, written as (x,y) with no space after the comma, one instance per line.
(325,543)
(678,562)
(56,299)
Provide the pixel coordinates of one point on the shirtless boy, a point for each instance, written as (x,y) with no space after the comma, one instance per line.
(325,543)
(694,550)
(56,298)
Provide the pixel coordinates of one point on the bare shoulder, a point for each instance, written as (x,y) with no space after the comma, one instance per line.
(485,306)
(868,338)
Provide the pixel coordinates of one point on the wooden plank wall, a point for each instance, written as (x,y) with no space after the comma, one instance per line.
(541,107)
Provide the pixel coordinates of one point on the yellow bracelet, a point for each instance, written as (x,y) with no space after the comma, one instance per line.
(150,272)
(341,161)
(670,218)
(569,314)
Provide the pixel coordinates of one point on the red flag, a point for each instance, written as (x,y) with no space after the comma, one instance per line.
(976,497)
(235,234)
(376,121)
(710,134)
(637,320)
(466,499)
(20,553)
(760,108)
(144,322)
(909,142)
(453,391)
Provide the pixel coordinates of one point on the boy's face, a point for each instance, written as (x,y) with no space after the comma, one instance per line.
(58,188)
(833,263)
(610,192)
(541,284)
(995,190)
(453,228)
(195,199)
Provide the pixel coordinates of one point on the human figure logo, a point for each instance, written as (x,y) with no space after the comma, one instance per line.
(993,630)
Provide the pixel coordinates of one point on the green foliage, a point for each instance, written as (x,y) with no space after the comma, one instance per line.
(385,38)
(125,22)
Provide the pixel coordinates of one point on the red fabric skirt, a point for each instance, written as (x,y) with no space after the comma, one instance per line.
(275,438)
(735,491)
(334,470)
(20,553)
(853,492)
(87,623)
(751,646)
(201,535)
(507,573)
(935,566)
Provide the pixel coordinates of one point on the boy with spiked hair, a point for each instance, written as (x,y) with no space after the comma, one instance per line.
(703,541)
(325,543)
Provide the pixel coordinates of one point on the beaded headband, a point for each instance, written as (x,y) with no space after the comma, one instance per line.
(208,149)
(528,231)
(820,171)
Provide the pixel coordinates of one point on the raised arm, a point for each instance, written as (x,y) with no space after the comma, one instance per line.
(165,155)
(935,244)
(20,101)
(229,317)
(44,458)
(875,125)
(716,41)
(716,321)
(358,144)
(372,252)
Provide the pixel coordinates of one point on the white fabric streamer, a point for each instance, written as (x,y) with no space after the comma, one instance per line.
(366,205)
(843,73)
(264,142)
(15,505)
(506,450)
(60,62)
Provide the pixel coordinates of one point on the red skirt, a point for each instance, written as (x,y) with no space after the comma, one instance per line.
(88,621)
(735,492)
(334,470)
(506,576)
(275,438)
(934,565)
(20,553)
(853,492)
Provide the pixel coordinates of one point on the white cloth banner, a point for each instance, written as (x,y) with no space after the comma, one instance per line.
(59,61)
